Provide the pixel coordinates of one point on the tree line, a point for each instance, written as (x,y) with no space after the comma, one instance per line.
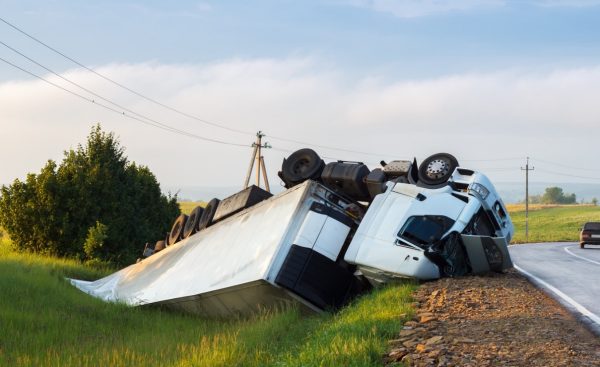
(556,195)
(95,205)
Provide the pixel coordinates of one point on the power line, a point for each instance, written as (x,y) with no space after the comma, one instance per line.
(180,112)
(493,159)
(496,169)
(155,124)
(123,86)
(80,86)
(568,175)
(565,166)
(186,114)
(148,118)
(170,107)
(328,147)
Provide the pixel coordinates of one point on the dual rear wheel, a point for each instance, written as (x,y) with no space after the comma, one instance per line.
(185,226)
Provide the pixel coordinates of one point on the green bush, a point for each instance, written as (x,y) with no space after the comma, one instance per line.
(57,210)
(95,240)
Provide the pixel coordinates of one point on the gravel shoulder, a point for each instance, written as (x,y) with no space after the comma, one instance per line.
(491,320)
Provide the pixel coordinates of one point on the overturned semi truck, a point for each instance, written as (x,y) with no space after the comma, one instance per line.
(337,230)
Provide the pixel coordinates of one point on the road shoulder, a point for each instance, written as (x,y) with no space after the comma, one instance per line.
(492,320)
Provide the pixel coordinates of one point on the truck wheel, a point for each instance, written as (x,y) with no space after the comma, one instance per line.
(302,165)
(177,230)
(160,245)
(437,169)
(581,245)
(208,214)
(191,225)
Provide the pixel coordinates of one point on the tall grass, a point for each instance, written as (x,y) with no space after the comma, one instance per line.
(44,321)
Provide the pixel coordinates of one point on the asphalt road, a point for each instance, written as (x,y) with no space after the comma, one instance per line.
(567,273)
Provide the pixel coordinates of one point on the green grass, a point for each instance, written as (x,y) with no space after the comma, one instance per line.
(555,223)
(44,321)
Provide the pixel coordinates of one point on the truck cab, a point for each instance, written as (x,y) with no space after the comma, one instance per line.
(416,231)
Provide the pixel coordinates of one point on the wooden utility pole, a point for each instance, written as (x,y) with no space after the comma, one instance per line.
(527,169)
(260,162)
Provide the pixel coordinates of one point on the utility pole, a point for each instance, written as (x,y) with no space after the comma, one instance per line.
(260,162)
(527,169)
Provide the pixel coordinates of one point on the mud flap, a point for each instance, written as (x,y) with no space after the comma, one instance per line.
(487,253)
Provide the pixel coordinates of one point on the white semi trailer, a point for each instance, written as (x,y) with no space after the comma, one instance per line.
(285,249)
(337,230)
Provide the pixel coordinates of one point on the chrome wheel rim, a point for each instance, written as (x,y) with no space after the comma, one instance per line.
(438,168)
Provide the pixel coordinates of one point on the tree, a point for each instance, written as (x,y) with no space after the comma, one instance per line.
(555,195)
(594,201)
(94,195)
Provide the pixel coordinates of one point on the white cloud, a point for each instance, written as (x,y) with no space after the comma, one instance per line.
(568,3)
(494,115)
(420,8)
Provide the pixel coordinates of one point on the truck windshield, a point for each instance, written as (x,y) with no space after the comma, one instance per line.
(425,229)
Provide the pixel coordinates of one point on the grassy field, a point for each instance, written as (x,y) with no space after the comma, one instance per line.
(549,223)
(187,206)
(44,321)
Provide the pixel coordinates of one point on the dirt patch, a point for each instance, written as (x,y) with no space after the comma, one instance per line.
(493,320)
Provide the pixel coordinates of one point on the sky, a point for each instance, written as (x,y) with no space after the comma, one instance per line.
(489,81)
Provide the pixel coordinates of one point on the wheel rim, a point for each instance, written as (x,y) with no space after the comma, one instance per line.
(437,169)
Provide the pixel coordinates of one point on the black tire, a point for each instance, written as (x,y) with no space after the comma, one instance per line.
(302,165)
(160,245)
(176,233)
(437,169)
(581,245)
(191,225)
(208,214)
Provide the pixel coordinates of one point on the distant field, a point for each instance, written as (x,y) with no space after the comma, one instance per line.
(548,223)
(188,206)
(44,321)
(521,207)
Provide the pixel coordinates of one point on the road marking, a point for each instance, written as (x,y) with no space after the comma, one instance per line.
(581,257)
(584,311)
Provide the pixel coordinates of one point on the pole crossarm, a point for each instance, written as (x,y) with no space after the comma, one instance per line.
(260,162)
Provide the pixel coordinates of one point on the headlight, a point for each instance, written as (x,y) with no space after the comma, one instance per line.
(480,190)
